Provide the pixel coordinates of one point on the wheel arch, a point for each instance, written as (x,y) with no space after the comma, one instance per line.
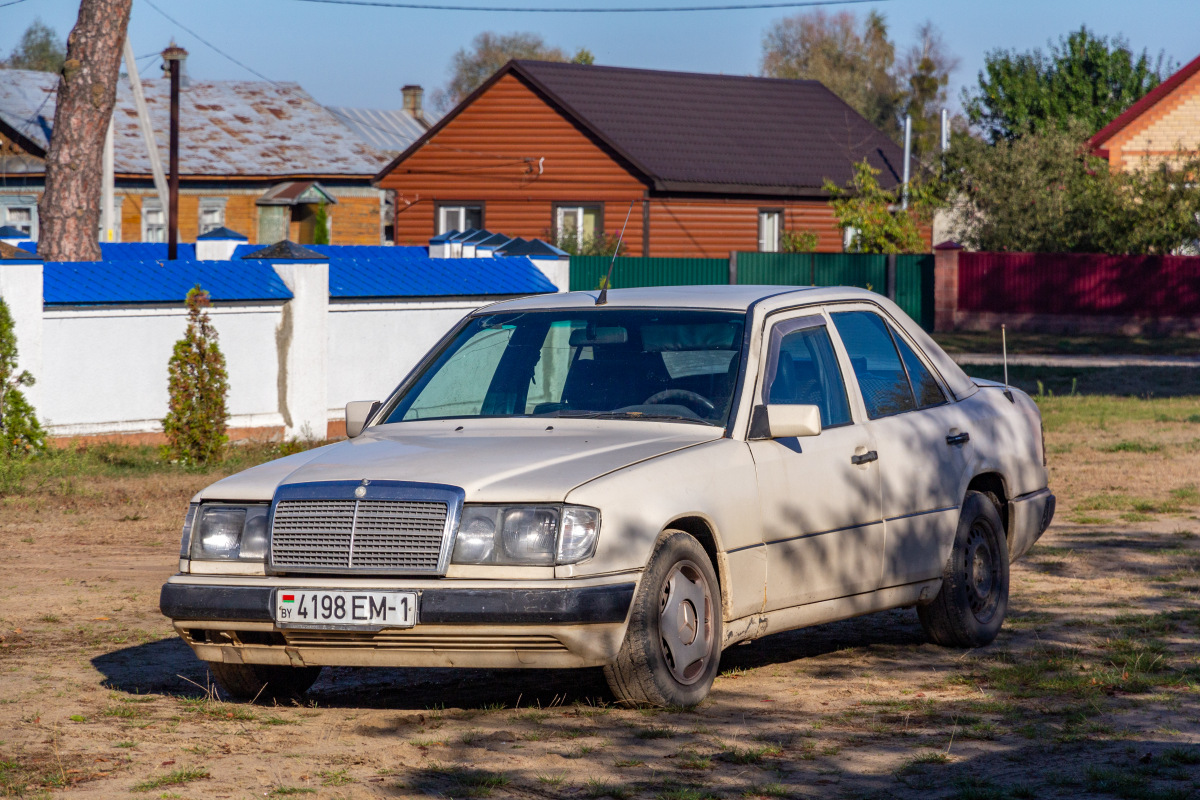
(992,482)
(702,529)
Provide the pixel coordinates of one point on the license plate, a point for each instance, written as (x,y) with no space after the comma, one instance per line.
(330,608)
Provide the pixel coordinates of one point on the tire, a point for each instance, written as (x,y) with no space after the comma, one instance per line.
(263,682)
(679,586)
(970,608)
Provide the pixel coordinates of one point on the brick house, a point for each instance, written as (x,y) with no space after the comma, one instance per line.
(256,157)
(1156,126)
(710,163)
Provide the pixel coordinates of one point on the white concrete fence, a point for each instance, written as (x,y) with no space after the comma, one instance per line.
(293,365)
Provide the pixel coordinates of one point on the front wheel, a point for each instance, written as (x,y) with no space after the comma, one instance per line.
(970,608)
(263,682)
(673,645)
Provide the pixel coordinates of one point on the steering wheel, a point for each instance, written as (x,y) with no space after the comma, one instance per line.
(668,395)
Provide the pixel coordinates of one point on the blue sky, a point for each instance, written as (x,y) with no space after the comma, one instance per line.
(362,56)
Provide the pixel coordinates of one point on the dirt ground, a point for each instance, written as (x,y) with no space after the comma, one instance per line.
(1090,690)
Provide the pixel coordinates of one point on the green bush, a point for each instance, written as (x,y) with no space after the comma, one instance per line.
(20,433)
(198,387)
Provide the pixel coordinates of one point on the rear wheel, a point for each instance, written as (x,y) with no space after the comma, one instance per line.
(673,645)
(970,608)
(263,682)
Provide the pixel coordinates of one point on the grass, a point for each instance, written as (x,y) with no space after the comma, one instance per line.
(595,787)
(750,755)
(174,778)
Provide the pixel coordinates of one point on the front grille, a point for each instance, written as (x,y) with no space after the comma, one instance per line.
(360,535)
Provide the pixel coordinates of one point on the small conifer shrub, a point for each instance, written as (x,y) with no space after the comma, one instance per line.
(20,433)
(198,387)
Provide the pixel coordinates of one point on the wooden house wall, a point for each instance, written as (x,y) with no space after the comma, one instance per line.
(518,155)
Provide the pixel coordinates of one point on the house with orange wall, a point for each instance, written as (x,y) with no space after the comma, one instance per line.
(701,165)
(1159,126)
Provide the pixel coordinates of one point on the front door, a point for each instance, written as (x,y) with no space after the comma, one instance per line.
(822,516)
(922,439)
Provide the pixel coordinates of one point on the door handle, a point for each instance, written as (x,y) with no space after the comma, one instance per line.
(865,458)
(958,438)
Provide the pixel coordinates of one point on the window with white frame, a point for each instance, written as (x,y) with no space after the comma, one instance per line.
(459,217)
(154,220)
(20,213)
(770,227)
(116,223)
(576,226)
(212,214)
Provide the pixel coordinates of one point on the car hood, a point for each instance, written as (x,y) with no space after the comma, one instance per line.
(510,460)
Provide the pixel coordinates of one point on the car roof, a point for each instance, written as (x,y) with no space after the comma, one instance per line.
(724,298)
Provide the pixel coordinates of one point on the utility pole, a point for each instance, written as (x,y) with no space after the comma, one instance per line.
(907,159)
(108,206)
(173,58)
(139,100)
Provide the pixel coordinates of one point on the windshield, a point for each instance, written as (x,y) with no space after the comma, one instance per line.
(594,363)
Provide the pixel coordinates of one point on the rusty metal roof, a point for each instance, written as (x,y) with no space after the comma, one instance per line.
(391,131)
(228,129)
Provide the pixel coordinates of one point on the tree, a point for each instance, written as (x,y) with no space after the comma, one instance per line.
(20,433)
(321,225)
(1084,77)
(69,209)
(40,49)
(491,51)
(198,386)
(1044,192)
(853,61)
(926,69)
(874,215)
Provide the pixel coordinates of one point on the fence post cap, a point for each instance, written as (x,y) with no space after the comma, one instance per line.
(949,244)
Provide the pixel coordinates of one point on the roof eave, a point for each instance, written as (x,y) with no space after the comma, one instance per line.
(1145,103)
(694,187)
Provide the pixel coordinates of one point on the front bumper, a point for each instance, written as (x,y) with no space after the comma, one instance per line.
(464,627)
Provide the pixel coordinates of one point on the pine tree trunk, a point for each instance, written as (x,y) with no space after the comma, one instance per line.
(69,211)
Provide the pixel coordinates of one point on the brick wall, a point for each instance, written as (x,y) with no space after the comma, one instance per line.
(1172,122)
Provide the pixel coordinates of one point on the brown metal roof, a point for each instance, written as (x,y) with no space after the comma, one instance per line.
(725,134)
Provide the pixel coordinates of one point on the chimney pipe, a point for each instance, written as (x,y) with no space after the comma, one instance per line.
(413,95)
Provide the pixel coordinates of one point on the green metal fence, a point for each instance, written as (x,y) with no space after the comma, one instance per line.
(587,272)
(912,289)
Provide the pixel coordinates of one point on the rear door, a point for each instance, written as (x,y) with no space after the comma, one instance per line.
(821,509)
(923,441)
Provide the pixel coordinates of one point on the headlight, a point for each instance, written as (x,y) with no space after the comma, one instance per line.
(229,532)
(529,535)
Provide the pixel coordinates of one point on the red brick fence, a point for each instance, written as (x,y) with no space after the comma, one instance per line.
(1065,293)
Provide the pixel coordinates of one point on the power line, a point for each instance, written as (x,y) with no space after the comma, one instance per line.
(204,41)
(11,3)
(255,72)
(587,10)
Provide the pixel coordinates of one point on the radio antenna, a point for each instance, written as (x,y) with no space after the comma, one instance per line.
(1004,350)
(603,297)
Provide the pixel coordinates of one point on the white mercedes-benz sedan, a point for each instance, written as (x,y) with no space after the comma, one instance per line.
(633,482)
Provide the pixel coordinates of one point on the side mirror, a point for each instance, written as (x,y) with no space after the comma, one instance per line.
(786,421)
(357,414)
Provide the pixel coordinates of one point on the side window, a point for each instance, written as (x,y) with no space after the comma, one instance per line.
(924,385)
(803,370)
(881,376)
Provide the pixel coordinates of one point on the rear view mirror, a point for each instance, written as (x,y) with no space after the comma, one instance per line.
(786,421)
(357,414)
